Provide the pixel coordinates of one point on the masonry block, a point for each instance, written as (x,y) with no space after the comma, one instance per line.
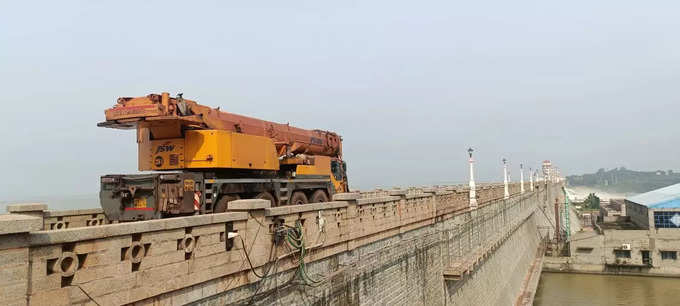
(19,223)
(26,207)
(348,196)
(249,204)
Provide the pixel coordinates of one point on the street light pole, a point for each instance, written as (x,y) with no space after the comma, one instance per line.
(473,192)
(521,178)
(506,194)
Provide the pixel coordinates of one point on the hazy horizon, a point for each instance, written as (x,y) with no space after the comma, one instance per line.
(409,86)
(95,193)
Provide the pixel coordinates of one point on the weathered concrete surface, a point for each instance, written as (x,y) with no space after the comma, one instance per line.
(249,204)
(384,249)
(594,251)
(26,207)
(62,219)
(17,223)
(349,196)
(407,269)
(500,279)
(531,281)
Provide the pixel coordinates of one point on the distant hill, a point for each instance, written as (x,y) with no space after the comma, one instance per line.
(624,180)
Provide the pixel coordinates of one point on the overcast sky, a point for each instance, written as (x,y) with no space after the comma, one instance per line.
(408,84)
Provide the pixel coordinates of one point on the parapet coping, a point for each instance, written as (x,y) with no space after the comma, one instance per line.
(18,223)
(111,230)
(445,192)
(420,195)
(248,204)
(72,212)
(26,207)
(347,196)
(291,209)
(397,192)
(365,201)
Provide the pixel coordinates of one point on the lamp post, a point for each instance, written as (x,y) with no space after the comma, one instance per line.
(506,194)
(473,192)
(521,178)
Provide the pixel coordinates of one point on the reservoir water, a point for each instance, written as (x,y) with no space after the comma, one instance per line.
(561,289)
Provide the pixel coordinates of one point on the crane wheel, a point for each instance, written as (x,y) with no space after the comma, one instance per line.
(266,196)
(319,196)
(298,198)
(223,201)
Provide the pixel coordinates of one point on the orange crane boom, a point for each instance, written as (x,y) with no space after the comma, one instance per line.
(161,110)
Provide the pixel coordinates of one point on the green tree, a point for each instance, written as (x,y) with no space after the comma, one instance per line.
(592,202)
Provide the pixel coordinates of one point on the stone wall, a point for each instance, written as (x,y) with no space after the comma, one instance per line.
(363,250)
(500,278)
(408,268)
(61,219)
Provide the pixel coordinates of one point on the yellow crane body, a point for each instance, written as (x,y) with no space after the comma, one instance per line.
(211,149)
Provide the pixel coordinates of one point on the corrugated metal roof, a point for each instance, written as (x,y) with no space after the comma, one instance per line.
(667,197)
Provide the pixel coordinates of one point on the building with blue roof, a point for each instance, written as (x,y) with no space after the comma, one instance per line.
(644,241)
(656,209)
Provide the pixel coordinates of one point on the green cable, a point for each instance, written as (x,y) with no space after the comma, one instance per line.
(296,239)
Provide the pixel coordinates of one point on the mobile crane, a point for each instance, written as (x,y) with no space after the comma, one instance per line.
(202,158)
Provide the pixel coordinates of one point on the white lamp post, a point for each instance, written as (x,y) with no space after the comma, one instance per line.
(506,194)
(473,192)
(521,178)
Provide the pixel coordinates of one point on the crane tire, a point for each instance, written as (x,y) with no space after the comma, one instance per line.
(267,196)
(298,198)
(319,196)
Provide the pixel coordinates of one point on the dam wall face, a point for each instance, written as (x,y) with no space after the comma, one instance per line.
(416,246)
(481,257)
(500,280)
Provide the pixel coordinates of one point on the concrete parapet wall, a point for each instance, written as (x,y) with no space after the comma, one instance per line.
(408,268)
(194,259)
(61,219)
(57,220)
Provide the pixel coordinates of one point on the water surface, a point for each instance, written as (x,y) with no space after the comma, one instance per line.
(589,289)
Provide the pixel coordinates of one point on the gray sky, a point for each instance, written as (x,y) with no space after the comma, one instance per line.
(408,84)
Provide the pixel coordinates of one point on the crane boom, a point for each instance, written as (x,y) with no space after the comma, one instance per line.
(161,110)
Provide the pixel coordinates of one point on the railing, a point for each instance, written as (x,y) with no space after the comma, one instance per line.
(153,260)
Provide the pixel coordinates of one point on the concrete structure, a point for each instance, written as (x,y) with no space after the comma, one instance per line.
(618,205)
(645,242)
(407,246)
(550,172)
(547,169)
(612,211)
(60,219)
